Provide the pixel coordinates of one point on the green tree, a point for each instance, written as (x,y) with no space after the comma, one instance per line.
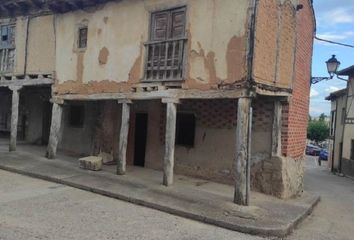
(318,130)
(322,117)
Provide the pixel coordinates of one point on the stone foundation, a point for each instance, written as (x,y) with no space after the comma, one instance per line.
(279,176)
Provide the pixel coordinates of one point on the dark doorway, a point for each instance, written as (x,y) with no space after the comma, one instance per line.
(47,117)
(141,122)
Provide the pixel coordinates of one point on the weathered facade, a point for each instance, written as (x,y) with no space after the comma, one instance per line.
(217,89)
(341,150)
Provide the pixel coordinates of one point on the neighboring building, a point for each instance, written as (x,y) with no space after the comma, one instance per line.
(341,158)
(338,100)
(167,84)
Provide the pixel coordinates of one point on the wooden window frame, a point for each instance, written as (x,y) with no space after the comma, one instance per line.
(7,47)
(79,37)
(179,41)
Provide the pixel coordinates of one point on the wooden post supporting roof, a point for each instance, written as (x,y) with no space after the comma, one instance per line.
(169,159)
(123,137)
(14,116)
(55,130)
(243,152)
(277,126)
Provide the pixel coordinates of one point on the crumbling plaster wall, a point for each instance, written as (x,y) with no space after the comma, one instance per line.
(117,31)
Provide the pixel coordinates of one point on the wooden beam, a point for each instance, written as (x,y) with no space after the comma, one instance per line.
(14,117)
(243,153)
(277,127)
(32,82)
(169,93)
(123,138)
(55,131)
(169,159)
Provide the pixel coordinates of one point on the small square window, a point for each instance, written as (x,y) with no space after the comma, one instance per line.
(185,129)
(82,37)
(76,116)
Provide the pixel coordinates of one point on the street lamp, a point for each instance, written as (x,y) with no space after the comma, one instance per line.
(332,68)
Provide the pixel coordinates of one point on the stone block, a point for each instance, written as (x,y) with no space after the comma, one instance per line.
(91,163)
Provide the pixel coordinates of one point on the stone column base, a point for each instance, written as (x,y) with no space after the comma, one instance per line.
(279,176)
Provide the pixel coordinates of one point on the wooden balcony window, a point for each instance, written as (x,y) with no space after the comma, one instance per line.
(165,52)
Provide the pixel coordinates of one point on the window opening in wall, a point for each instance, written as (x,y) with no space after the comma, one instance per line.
(185,129)
(76,116)
(82,37)
(4,33)
(165,50)
(352,150)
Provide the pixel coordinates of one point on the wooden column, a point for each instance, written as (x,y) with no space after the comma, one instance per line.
(14,116)
(169,159)
(243,152)
(55,130)
(123,137)
(277,127)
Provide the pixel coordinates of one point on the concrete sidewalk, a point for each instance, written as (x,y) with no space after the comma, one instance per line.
(191,198)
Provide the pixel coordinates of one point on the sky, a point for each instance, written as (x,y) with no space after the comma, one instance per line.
(335,21)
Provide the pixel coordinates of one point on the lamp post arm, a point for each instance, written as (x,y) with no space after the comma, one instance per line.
(315,80)
(343,79)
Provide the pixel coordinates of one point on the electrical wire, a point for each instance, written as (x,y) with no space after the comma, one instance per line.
(333,42)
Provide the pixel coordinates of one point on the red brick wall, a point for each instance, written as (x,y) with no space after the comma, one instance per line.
(296,113)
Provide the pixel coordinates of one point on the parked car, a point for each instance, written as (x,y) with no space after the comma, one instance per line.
(323,155)
(312,150)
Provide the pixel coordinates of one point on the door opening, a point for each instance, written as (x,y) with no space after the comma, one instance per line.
(46,122)
(141,123)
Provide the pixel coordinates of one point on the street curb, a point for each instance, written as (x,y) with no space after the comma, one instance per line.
(264,232)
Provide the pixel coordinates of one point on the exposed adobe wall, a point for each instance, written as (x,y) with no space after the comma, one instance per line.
(295,115)
(275,43)
(117,31)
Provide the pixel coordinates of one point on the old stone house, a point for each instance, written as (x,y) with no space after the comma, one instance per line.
(341,147)
(216,89)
